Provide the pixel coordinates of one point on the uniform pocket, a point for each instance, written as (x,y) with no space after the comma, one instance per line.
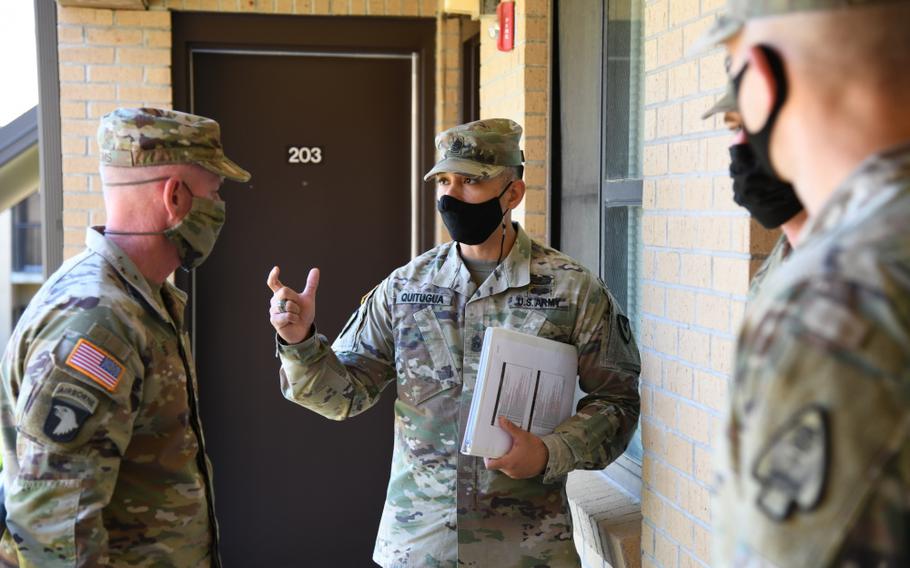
(42,516)
(533,324)
(428,365)
(536,323)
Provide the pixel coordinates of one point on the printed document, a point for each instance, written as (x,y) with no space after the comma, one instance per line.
(529,380)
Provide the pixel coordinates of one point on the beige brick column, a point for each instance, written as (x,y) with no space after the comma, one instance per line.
(107,59)
(516,85)
(700,248)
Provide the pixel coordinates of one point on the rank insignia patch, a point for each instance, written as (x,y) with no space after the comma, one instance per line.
(70,407)
(792,469)
(95,363)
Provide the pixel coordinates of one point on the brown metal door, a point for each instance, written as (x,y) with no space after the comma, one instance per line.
(329,138)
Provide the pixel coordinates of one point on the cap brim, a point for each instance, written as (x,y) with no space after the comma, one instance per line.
(227,168)
(724,28)
(727,103)
(465,168)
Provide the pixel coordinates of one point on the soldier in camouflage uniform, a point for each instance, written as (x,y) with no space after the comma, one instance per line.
(421,330)
(815,467)
(103,452)
(770,200)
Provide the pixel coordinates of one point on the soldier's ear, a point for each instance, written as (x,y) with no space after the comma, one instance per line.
(177,199)
(516,193)
(759,91)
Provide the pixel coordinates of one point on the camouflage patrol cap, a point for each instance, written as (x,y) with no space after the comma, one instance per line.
(136,137)
(738,12)
(481,149)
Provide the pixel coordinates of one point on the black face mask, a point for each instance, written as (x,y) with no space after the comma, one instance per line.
(761,140)
(769,199)
(471,223)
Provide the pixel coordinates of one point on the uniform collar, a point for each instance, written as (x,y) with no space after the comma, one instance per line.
(877,181)
(513,272)
(99,244)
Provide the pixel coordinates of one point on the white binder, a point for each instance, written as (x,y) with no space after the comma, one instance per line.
(529,380)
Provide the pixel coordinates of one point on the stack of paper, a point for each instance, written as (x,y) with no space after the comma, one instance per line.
(528,379)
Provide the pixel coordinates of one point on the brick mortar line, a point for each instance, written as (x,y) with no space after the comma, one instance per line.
(707,135)
(678,397)
(684,513)
(696,213)
(705,213)
(692,554)
(706,252)
(705,291)
(712,92)
(651,487)
(665,67)
(668,429)
(719,334)
(694,137)
(500,77)
(690,364)
(692,328)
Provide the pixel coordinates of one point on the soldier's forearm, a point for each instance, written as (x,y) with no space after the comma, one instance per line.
(595,436)
(56,523)
(334,386)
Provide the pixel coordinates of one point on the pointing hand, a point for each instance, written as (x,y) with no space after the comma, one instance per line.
(290,313)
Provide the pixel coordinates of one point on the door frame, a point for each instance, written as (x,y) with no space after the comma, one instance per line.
(338,36)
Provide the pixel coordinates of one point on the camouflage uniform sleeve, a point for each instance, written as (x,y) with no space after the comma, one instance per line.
(831,489)
(347,378)
(777,256)
(608,369)
(878,537)
(74,415)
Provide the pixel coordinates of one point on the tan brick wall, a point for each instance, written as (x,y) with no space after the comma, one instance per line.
(111,58)
(448,85)
(515,84)
(107,59)
(700,249)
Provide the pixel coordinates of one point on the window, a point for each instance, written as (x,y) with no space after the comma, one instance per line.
(597,146)
(26,236)
(622,152)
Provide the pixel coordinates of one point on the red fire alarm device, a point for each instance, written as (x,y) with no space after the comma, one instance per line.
(506,15)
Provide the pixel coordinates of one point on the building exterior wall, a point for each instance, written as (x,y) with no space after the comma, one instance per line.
(516,84)
(700,250)
(113,58)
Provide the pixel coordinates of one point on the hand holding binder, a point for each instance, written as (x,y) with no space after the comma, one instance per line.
(526,458)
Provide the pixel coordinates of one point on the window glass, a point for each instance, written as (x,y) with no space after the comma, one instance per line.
(622,163)
(27,235)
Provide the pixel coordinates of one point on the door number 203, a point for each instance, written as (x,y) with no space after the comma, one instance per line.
(304,155)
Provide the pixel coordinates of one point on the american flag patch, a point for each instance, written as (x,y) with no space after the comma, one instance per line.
(95,363)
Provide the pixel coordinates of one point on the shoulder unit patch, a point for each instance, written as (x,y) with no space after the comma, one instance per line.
(793,467)
(70,407)
(96,363)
